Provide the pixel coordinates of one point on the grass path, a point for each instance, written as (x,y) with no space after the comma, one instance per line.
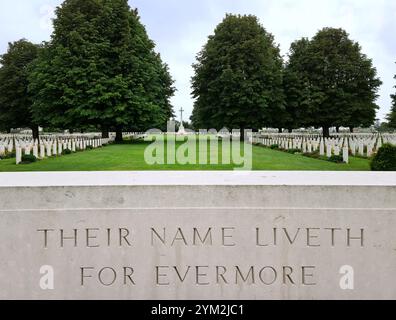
(131,157)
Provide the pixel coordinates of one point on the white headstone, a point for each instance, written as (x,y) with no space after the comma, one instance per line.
(361,149)
(369,150)
(321,148)
(345,154)
(309,147)
(328,150)
(49,148)
(336,150)
(42,151)
(35,150)
(18,153)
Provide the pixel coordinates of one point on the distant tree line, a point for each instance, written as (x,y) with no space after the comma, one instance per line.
(241,81)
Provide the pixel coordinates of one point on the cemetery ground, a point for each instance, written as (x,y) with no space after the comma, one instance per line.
(130,156)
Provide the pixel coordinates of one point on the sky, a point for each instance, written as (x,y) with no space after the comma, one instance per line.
(180,28)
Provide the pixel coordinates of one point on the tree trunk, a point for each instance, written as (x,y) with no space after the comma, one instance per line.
(290,130)
(280,130)
(351,129)
(8,130)
(105,132)
(326,131)
(338,129)
(118,137)
(36,134)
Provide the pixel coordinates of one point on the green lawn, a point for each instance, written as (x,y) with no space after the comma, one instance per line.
(130,156)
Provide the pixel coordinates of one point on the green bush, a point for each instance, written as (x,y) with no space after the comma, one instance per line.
(66,151)
(28,158)
(293,151)
(274,146)
(8,155)
(89,147)
(336,159)
(385,159)
(314,155)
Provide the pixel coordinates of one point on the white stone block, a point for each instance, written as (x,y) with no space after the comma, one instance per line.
(18,153)
(95,227)
(345,154)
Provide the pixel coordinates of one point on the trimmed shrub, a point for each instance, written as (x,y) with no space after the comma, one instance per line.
(66,151)
(274,147)
(314,155)
(28,158)
(293,151)
(8,155)
(336,159)
(385,159)
(89,147)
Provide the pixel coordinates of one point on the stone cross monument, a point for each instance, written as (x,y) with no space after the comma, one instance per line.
(181,128)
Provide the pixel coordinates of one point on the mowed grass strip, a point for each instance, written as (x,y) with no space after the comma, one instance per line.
(130,156)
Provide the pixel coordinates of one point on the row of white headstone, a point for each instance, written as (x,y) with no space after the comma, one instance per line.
(345,145)
(48,146)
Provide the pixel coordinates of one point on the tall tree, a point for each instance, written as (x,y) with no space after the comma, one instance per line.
(392,115)
(238,77)
(341,80)
(15,101)
(296,86)
(100,68)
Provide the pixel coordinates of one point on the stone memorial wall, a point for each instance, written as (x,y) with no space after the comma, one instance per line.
(198,235)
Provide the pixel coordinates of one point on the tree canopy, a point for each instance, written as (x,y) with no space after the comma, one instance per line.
(100,68)
(296,86)
(15,102)
(238,77)
(330,82)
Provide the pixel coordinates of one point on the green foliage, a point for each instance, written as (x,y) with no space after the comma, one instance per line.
(238,77)
(385,159)
(66,151)
(100,68)
(336,159)
(28,158)
(314,155)
(293,151)
(8,155)
(89,147)
(295,80)
(392,115)
(15,102)
(274,146)
(330,82)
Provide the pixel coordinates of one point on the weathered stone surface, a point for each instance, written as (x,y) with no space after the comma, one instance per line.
(198,235)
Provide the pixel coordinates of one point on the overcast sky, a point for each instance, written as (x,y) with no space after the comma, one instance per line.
(180,29)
